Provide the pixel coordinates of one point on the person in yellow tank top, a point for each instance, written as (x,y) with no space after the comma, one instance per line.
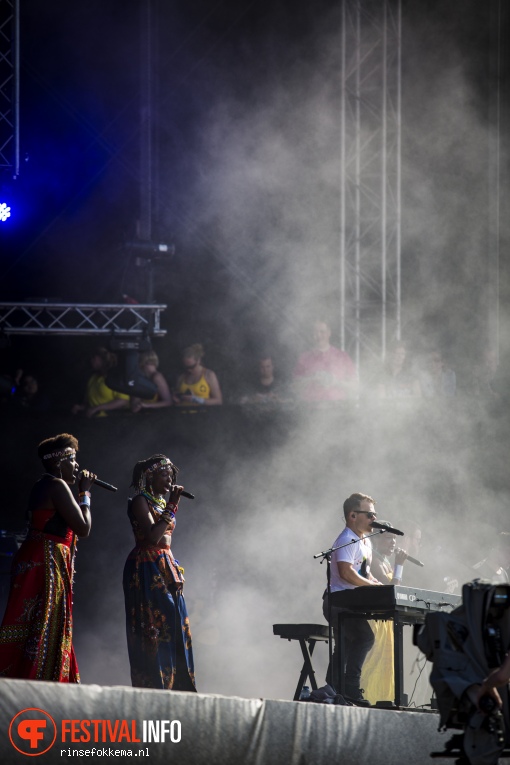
(99,398)
(196,385)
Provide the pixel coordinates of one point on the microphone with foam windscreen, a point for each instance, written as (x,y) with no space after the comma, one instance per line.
(389,529)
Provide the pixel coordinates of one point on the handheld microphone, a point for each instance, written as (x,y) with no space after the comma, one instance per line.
(186,494)
(389,529)
(104,485)
(413,560)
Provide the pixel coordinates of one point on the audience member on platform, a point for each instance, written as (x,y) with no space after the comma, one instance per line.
(324,373)
(436,379)
(266,388)
(196,385)
(149,363)
(99,398)
(397,380)
(28,397)
(7,389)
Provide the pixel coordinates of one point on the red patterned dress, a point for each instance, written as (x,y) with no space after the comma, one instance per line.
(37,629)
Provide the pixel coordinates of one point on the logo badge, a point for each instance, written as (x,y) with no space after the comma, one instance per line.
(32,731)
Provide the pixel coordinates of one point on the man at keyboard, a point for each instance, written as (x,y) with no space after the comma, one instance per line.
(350,568)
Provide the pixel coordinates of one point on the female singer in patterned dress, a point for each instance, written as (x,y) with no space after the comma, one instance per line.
(37,629)
(157,624)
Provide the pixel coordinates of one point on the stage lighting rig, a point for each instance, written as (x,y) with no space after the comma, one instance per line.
(151,250)
(148,254)
(5,212)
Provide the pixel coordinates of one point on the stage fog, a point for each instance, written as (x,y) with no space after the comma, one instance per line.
(248,126)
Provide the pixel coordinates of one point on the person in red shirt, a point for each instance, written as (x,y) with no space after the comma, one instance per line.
(324,373)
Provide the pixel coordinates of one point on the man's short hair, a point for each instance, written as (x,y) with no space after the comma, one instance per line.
(353,502)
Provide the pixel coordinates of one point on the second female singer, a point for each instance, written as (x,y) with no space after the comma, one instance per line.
(157,623)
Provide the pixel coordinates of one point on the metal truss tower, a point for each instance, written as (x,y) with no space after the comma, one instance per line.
(9,87)
(370,196)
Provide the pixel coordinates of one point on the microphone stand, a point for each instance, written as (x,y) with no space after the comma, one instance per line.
(326,556)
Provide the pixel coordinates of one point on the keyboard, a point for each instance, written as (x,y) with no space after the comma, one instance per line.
(394,598)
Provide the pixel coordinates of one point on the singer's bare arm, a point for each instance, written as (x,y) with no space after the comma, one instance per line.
(215,396)
(57,494)
(164,395)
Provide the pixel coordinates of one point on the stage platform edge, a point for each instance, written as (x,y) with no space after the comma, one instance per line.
(214,730)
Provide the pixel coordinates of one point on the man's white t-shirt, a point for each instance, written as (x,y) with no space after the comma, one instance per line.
(359,555)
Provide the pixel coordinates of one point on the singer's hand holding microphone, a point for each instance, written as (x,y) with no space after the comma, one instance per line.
(176,492)
(86,480)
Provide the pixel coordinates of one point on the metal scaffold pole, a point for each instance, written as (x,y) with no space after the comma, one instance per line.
(370,196)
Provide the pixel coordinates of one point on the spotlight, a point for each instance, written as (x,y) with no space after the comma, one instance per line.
(5,212)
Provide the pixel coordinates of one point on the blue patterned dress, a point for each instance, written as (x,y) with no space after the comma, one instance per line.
(157,623)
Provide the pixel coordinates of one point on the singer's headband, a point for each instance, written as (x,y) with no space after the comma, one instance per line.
(68,452)
(160,465)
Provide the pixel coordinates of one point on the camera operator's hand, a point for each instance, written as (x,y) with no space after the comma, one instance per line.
(488,689)
(488,699)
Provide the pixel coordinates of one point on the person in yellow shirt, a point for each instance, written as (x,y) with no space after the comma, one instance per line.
(99,398)
(377,676)
(196,385)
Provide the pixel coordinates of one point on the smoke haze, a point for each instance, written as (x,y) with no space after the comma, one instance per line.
(248,126)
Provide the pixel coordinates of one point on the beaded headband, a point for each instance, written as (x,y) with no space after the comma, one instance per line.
(68,452)
(160,465)
(157,467)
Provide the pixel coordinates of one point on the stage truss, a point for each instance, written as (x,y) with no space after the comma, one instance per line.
(9,86)
(370,195)
(112,320)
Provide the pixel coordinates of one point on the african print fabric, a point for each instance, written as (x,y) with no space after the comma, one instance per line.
(157,623)
(36,632)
